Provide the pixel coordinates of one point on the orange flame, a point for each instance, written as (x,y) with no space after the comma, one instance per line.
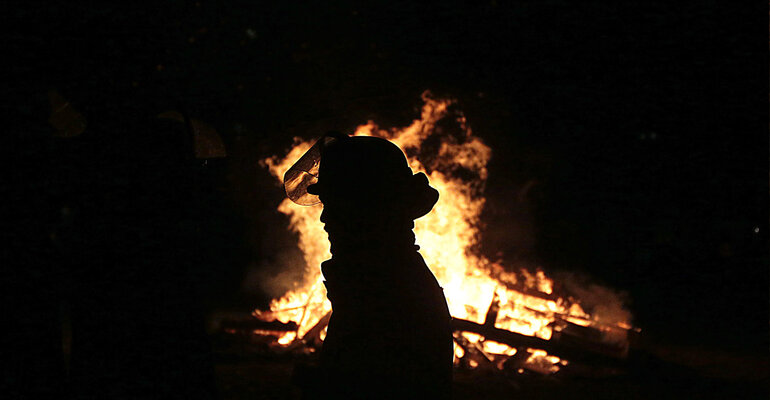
(447,237)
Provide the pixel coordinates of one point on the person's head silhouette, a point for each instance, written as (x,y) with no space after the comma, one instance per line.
(367,189)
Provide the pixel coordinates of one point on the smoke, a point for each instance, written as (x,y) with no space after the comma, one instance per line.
(605,305)
(274,277)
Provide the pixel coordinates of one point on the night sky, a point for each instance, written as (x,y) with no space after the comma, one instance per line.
(640,127)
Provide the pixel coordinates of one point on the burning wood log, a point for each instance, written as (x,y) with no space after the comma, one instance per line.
(524,289)
(573,350)
(474,355)
(494,308)
(313,336)
(254,324)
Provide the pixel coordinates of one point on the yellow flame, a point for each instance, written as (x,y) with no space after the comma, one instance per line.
(446,237)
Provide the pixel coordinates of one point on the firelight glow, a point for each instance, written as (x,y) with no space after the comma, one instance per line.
(446,236)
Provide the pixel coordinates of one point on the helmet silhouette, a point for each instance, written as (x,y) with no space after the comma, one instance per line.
(363,170)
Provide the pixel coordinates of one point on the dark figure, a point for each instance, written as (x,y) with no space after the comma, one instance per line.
(104,271)
(108,248)
(138,327)
(389,335)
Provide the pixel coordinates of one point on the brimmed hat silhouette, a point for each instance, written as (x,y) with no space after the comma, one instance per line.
(363,169)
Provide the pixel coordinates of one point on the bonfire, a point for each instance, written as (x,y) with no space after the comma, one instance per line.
(501,313)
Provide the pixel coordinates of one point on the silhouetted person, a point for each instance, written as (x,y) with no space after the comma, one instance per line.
(389,335)
(31,360)
(138,328)
(107,248)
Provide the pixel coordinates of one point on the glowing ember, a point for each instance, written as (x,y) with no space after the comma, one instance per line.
(456,167)
(498,348)
(542,361)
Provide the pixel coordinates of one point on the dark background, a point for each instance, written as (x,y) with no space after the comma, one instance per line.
(640,126)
